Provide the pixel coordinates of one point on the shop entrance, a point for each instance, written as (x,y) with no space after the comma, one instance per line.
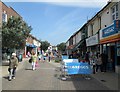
(29,49)
(118,56)
(112,57)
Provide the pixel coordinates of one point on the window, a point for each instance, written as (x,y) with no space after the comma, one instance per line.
(117,15)
(4,17)
(117,7)
(91,29)
(115,12)
(113,9)
(113,17)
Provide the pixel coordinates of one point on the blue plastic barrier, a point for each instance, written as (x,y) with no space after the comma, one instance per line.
(78,68)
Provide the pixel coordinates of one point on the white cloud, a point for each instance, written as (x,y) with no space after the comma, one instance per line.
(73,3)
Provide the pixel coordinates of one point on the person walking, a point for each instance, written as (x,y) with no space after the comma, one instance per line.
(99,63)
(49,56)
(87,57)
(12,66)
(93,62)
(34,60)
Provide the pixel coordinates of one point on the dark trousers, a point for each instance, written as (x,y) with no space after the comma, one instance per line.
(12,72)
(94,69)
(49,59)
(98,67)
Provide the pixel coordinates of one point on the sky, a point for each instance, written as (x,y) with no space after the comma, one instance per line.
(56,20)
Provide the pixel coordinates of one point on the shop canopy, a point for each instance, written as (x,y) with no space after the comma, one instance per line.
(78,45)
(31,45)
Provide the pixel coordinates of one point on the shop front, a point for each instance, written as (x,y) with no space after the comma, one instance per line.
(28,49)
(92,44)
(110,45)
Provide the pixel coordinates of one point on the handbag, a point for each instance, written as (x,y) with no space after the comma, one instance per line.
(30,60)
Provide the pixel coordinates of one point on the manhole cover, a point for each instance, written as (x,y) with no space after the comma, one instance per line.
(103,80)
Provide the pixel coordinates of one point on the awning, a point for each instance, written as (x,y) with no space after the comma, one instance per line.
(31,45)
(77,45)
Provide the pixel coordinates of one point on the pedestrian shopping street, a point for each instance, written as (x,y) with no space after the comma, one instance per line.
(62,45)
(47,77)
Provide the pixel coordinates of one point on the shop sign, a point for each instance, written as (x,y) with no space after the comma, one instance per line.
(112,29)
(109,31)
(92,40)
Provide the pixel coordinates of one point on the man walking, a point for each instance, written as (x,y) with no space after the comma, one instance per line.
(12,66)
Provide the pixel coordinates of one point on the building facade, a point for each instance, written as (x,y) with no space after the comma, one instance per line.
(103,35)
(32,44)
(31,41)
(7,12)
(110,34)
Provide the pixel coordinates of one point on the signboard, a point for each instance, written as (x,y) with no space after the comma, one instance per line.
(108,31)
(78,68)
(93,40)
(70,60)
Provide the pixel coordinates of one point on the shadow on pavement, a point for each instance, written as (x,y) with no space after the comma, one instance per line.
(80,81)
(5,77)
(28,69)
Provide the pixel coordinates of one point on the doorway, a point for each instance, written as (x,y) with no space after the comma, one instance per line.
(112,57)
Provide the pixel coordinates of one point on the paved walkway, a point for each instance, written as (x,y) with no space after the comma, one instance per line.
(3,69)
(108,79)
(47,77)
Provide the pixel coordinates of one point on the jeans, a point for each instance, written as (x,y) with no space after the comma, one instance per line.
(12,72)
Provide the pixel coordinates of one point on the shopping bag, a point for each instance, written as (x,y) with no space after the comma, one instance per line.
(36,64)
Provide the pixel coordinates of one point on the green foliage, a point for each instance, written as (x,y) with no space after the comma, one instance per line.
(61,47)
(14,33)
(45,45)
(57,60)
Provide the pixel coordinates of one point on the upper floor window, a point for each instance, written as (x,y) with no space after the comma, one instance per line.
(4,17)
(116,7)
(91,29)
(115,12)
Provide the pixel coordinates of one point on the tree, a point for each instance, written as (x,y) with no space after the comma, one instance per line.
(61,47)
(45,45)
(14,33)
